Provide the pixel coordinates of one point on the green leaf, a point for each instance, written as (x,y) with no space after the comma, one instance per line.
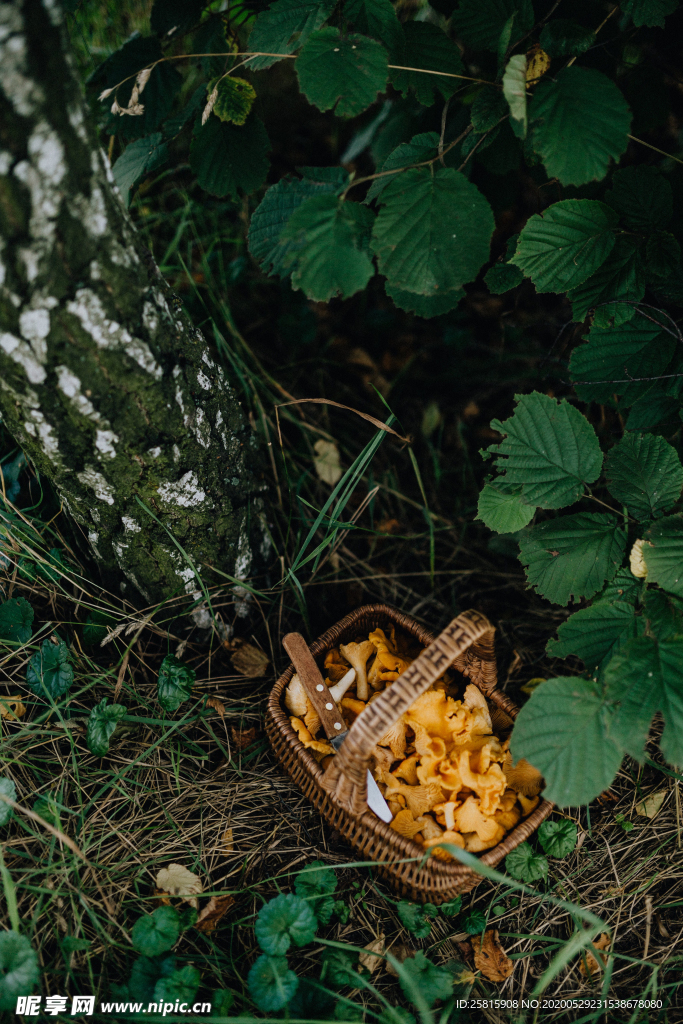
(275,209)
(284,920)
(96,627)
(156,933)
(426,306)
(19,969)
(48,807)
(426,46)
(616,357)
(572,557)
(144,975)
(475,922)
(644,680)
(376,18)
(525,864)
(284,27)
(562,37)
(182,985)
(564,731)
(330,238)
(8,789)
(344,72)
(664,614)
(501,277)
(416,918)
(503,512)
(595,634)
(663,554)
(452,908)
(174,684)
(581,122)
(433,232)
(234,100)
(642,197)
(101,725)
(558,838)
(315,880)
(480,22)
(619,281)
(49,669)
(421,147)
(170,17)
(644,472)
(16,620)
(228,160)
(550,450)
(514,90)
(649,12)
(338,968)
(651,409)
(138,159)
(663,255)
(311,1002)
(562,247)
(488,108)
(425,978)
(271,983)
(624,587)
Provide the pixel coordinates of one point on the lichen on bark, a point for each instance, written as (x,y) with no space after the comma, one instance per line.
(104,381)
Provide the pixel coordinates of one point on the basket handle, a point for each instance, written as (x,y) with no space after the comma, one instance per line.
(467,643)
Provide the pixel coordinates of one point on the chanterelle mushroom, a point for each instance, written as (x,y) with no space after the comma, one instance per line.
(340,688)
(299,705)
(357,656)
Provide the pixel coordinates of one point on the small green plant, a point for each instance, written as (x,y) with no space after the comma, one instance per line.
(558,839)
(175,683)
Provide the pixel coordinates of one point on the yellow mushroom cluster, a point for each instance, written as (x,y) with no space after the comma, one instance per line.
(444,774)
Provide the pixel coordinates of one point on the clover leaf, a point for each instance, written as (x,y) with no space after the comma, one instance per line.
(558,838)
(417,919)
(101,725)
(157,932)
(49,670)
(283,921)
(525,864)
(175,683)
(271,983)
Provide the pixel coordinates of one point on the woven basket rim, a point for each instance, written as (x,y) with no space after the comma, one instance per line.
(402,846)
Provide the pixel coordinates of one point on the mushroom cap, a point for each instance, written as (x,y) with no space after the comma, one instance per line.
(437,713)
(474,698)
(448,837)
(445,813)
(488,786)
(382,760)
(429,828)
(475,844)
(319,748)
(395,739)
(528,804)
(405,824)
(469,818)
(408,770)
(296,700)
(522,777)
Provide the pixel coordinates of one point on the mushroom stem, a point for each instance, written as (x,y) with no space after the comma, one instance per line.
(340,688)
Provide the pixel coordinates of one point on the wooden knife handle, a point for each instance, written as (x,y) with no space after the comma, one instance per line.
(312,682)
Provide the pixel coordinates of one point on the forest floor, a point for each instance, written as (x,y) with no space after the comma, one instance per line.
(202,787)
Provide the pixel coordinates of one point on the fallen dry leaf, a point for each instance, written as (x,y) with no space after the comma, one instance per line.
(490,957)
(368,959)
(326,462)
(217,705)
(250,661)
(591,965)
(228,840)
(650,805)
(243,738)
(466,977)
(400,952)
(210,915)
(12,708)
(176,880)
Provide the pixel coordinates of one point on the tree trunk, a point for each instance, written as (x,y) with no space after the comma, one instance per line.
(105,383)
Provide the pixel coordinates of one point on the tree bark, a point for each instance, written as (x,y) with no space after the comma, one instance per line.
(105,383)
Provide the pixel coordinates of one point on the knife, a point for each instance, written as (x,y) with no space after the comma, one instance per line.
(328,713)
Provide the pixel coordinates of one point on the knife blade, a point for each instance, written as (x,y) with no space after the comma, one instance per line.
(326,709)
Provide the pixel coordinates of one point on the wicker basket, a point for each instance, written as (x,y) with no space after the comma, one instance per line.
(339,792)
